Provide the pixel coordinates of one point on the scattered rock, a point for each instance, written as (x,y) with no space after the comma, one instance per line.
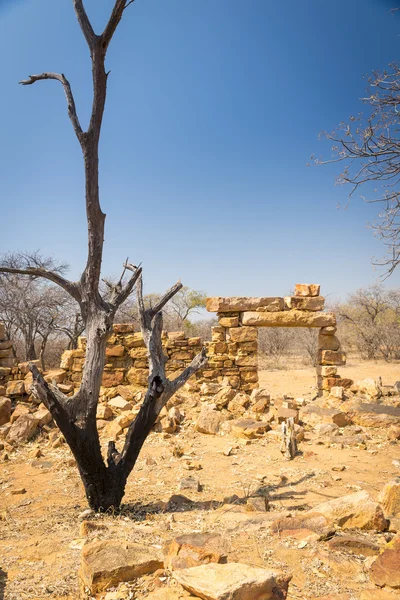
(257,504)
(390,498)
(353,544)
(370,388)
(355,511)
(232,581)
(120,403)
(312,414)
(223,397)
(18,491)
(194,549)
(190,483)
(249,428)
(309,522)
(209,420)
(107,563)
(385,570)
(5,410)
(23,429)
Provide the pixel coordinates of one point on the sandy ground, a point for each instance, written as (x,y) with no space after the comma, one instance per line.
(40,530)
(301,382)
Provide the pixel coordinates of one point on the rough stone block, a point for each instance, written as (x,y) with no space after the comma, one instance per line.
(240,304)
(243,334)
(307,289)
(308,304)
(288,318)
(331,357)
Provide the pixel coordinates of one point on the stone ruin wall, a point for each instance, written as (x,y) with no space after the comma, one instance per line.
(232,351)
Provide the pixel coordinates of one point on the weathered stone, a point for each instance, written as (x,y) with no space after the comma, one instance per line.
(210,389)
(303,303)
(257,504)
(260,394)
(209,420)
(190,483)
(328,342)
(249,428)
(43,416)
(20,409)
(193,549)
(288,318)
(104,412)
(112,430)
(371,415)
(355,545)
(120,403)
(5,410)
(54,376)
(385,570)
(223,397)
(354,511)
(15,388)
(116,351)
(309,521)
(370,388)
(134,341)
(390,498)
(232,581)
(239,404)
(394,433)
(307,289)
(240,304)
(243,334)
(331,357)
(112,378)
(23,429)
(107,563)
(312,414)
(229,321)
(138,376)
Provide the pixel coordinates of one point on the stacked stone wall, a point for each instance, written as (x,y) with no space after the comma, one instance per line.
(232,351)
(126,357)
(7,360)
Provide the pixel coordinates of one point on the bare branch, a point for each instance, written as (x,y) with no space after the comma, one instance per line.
(84,23)
(113,22)
(127,289)
(68,286)
(198,363)
(167,296)
(68,94)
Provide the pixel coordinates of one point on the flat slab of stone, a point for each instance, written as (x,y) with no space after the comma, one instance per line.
(109,562)
(385,570)
(312,414)
(241,304)
(354,511)
(194,549)
(371,415)
(288,318)
(232,581)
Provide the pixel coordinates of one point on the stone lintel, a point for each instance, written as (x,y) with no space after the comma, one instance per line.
(289,318)
(241,304)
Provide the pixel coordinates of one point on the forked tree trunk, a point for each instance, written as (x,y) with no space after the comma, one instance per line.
(76,416)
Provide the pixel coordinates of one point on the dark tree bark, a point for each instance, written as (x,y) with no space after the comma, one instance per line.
(76,416)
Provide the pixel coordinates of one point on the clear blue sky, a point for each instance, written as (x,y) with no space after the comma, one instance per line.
(214,109)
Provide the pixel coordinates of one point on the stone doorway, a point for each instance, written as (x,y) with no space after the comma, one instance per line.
(233,351)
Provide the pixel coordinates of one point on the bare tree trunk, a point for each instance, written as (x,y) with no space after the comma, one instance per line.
(76,416)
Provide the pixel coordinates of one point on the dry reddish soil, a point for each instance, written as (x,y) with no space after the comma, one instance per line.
(40,530)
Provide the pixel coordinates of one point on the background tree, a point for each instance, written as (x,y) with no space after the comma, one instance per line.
(369,322)
(176,314)
(369,146)
(76,416)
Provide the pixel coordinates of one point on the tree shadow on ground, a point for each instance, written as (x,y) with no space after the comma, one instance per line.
(181,503)
(3,579)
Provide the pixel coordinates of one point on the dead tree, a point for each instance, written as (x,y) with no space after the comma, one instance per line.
(76,416)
